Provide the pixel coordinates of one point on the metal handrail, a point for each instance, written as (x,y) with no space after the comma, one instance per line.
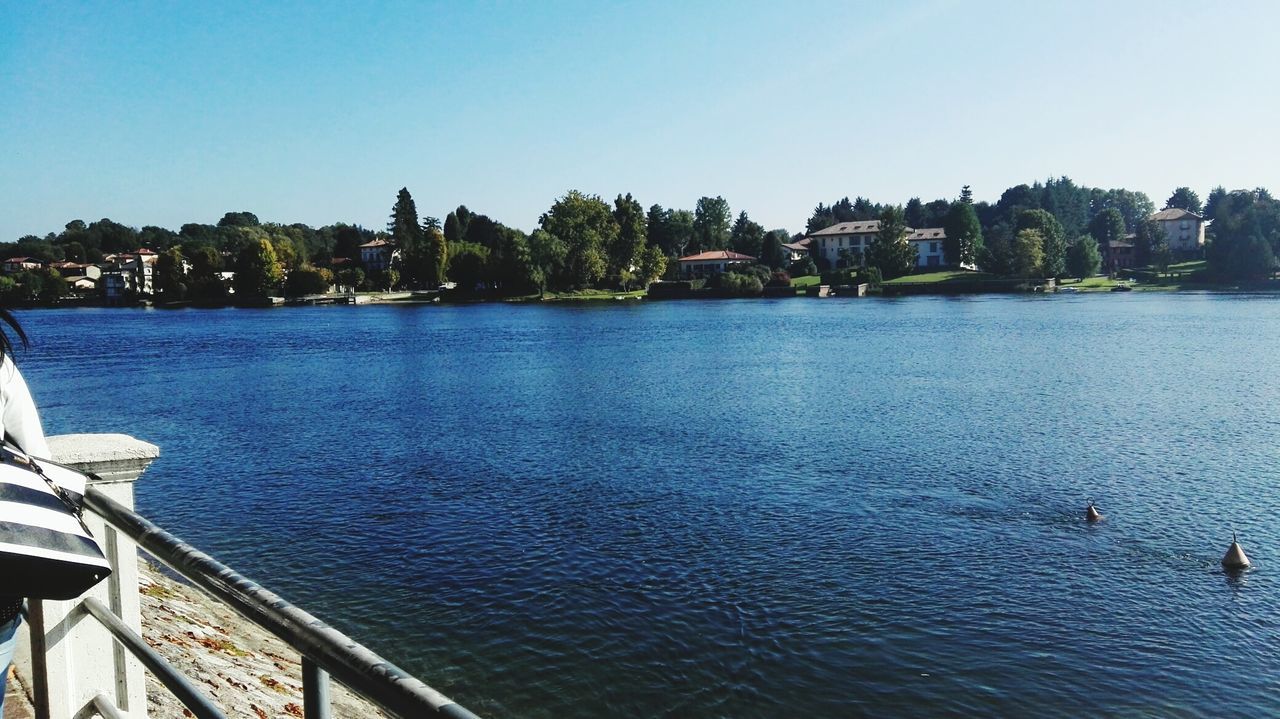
(328,649)
(197,703)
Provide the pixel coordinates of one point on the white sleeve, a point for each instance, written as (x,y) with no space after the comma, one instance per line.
(19,417)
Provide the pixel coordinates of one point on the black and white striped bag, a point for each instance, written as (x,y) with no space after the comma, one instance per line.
(46,551)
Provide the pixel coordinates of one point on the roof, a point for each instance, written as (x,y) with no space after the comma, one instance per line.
(801,246)
(377,243)
(717,255)
(927,233)
(848,228)
(143,251)
(1175,213)
(21,259)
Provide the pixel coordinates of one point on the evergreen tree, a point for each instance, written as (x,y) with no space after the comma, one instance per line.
(966,195)
(1146,237)
(404,224)
(772,252)
(452,230)
(629,242)
(964,235)
(915,213)
(747,237)
(1216,195)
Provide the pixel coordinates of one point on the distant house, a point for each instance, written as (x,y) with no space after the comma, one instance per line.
(929,246)
(378,255)
(844,244)
(1118,255)
(77,269)
(19,264)
(128,273)
(797,251)
(81,283)
(1183,232)
(714,262)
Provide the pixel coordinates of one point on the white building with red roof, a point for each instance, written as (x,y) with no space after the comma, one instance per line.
(713,262)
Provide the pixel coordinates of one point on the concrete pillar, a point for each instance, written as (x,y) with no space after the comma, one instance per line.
(72,658)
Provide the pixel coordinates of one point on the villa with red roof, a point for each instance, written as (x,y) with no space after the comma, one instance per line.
(713,262)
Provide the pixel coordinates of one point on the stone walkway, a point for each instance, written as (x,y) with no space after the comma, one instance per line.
(245,670)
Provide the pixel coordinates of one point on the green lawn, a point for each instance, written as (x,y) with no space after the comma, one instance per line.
(806,281)
(946,276)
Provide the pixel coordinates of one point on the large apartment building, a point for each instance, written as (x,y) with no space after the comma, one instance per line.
(843,244)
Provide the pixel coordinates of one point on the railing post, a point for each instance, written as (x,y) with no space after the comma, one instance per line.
(73,658)
(315,691)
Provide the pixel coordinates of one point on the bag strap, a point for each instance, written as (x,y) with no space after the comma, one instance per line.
(18,457)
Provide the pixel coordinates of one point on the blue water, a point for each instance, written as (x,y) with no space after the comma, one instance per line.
(730,509)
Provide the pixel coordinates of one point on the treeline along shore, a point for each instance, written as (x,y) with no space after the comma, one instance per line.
(585,246)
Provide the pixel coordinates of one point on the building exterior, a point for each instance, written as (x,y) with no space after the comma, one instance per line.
(378,255)
(1183,232)
(929,244)
(1118,255)
(843,244)
(129,273)
(18,264)
(797,251)
(714,262)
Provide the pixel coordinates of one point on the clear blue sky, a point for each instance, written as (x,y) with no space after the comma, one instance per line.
(168,113)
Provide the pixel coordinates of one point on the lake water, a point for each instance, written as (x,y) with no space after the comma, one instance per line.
(734,508)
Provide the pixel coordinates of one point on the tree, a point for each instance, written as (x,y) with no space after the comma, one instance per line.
(1054,252)
(467,262)
(432,270)
(772,252)
(711,224)
(652,264)
(351,277)
(239,219)
(747,237)
(1245,234)
(890,250)
(1146,237)
(964,235)
(205,283)
(1083,258)
(1028,253)
(1216,195)
(1107,227)
(626,246)
(1184,198)
(423,260)
(586,226)
(547,255)
(169,278)
(1161,256)
(257,271)
(308,280)
(915,213)
(452,231)
(966,195)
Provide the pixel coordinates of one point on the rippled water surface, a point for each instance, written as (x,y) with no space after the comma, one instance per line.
(730,509)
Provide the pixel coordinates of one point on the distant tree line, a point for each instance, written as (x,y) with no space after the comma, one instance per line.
(1055,228)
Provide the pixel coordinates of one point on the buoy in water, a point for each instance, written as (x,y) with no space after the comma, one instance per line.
(1235,558)
(1091,514)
